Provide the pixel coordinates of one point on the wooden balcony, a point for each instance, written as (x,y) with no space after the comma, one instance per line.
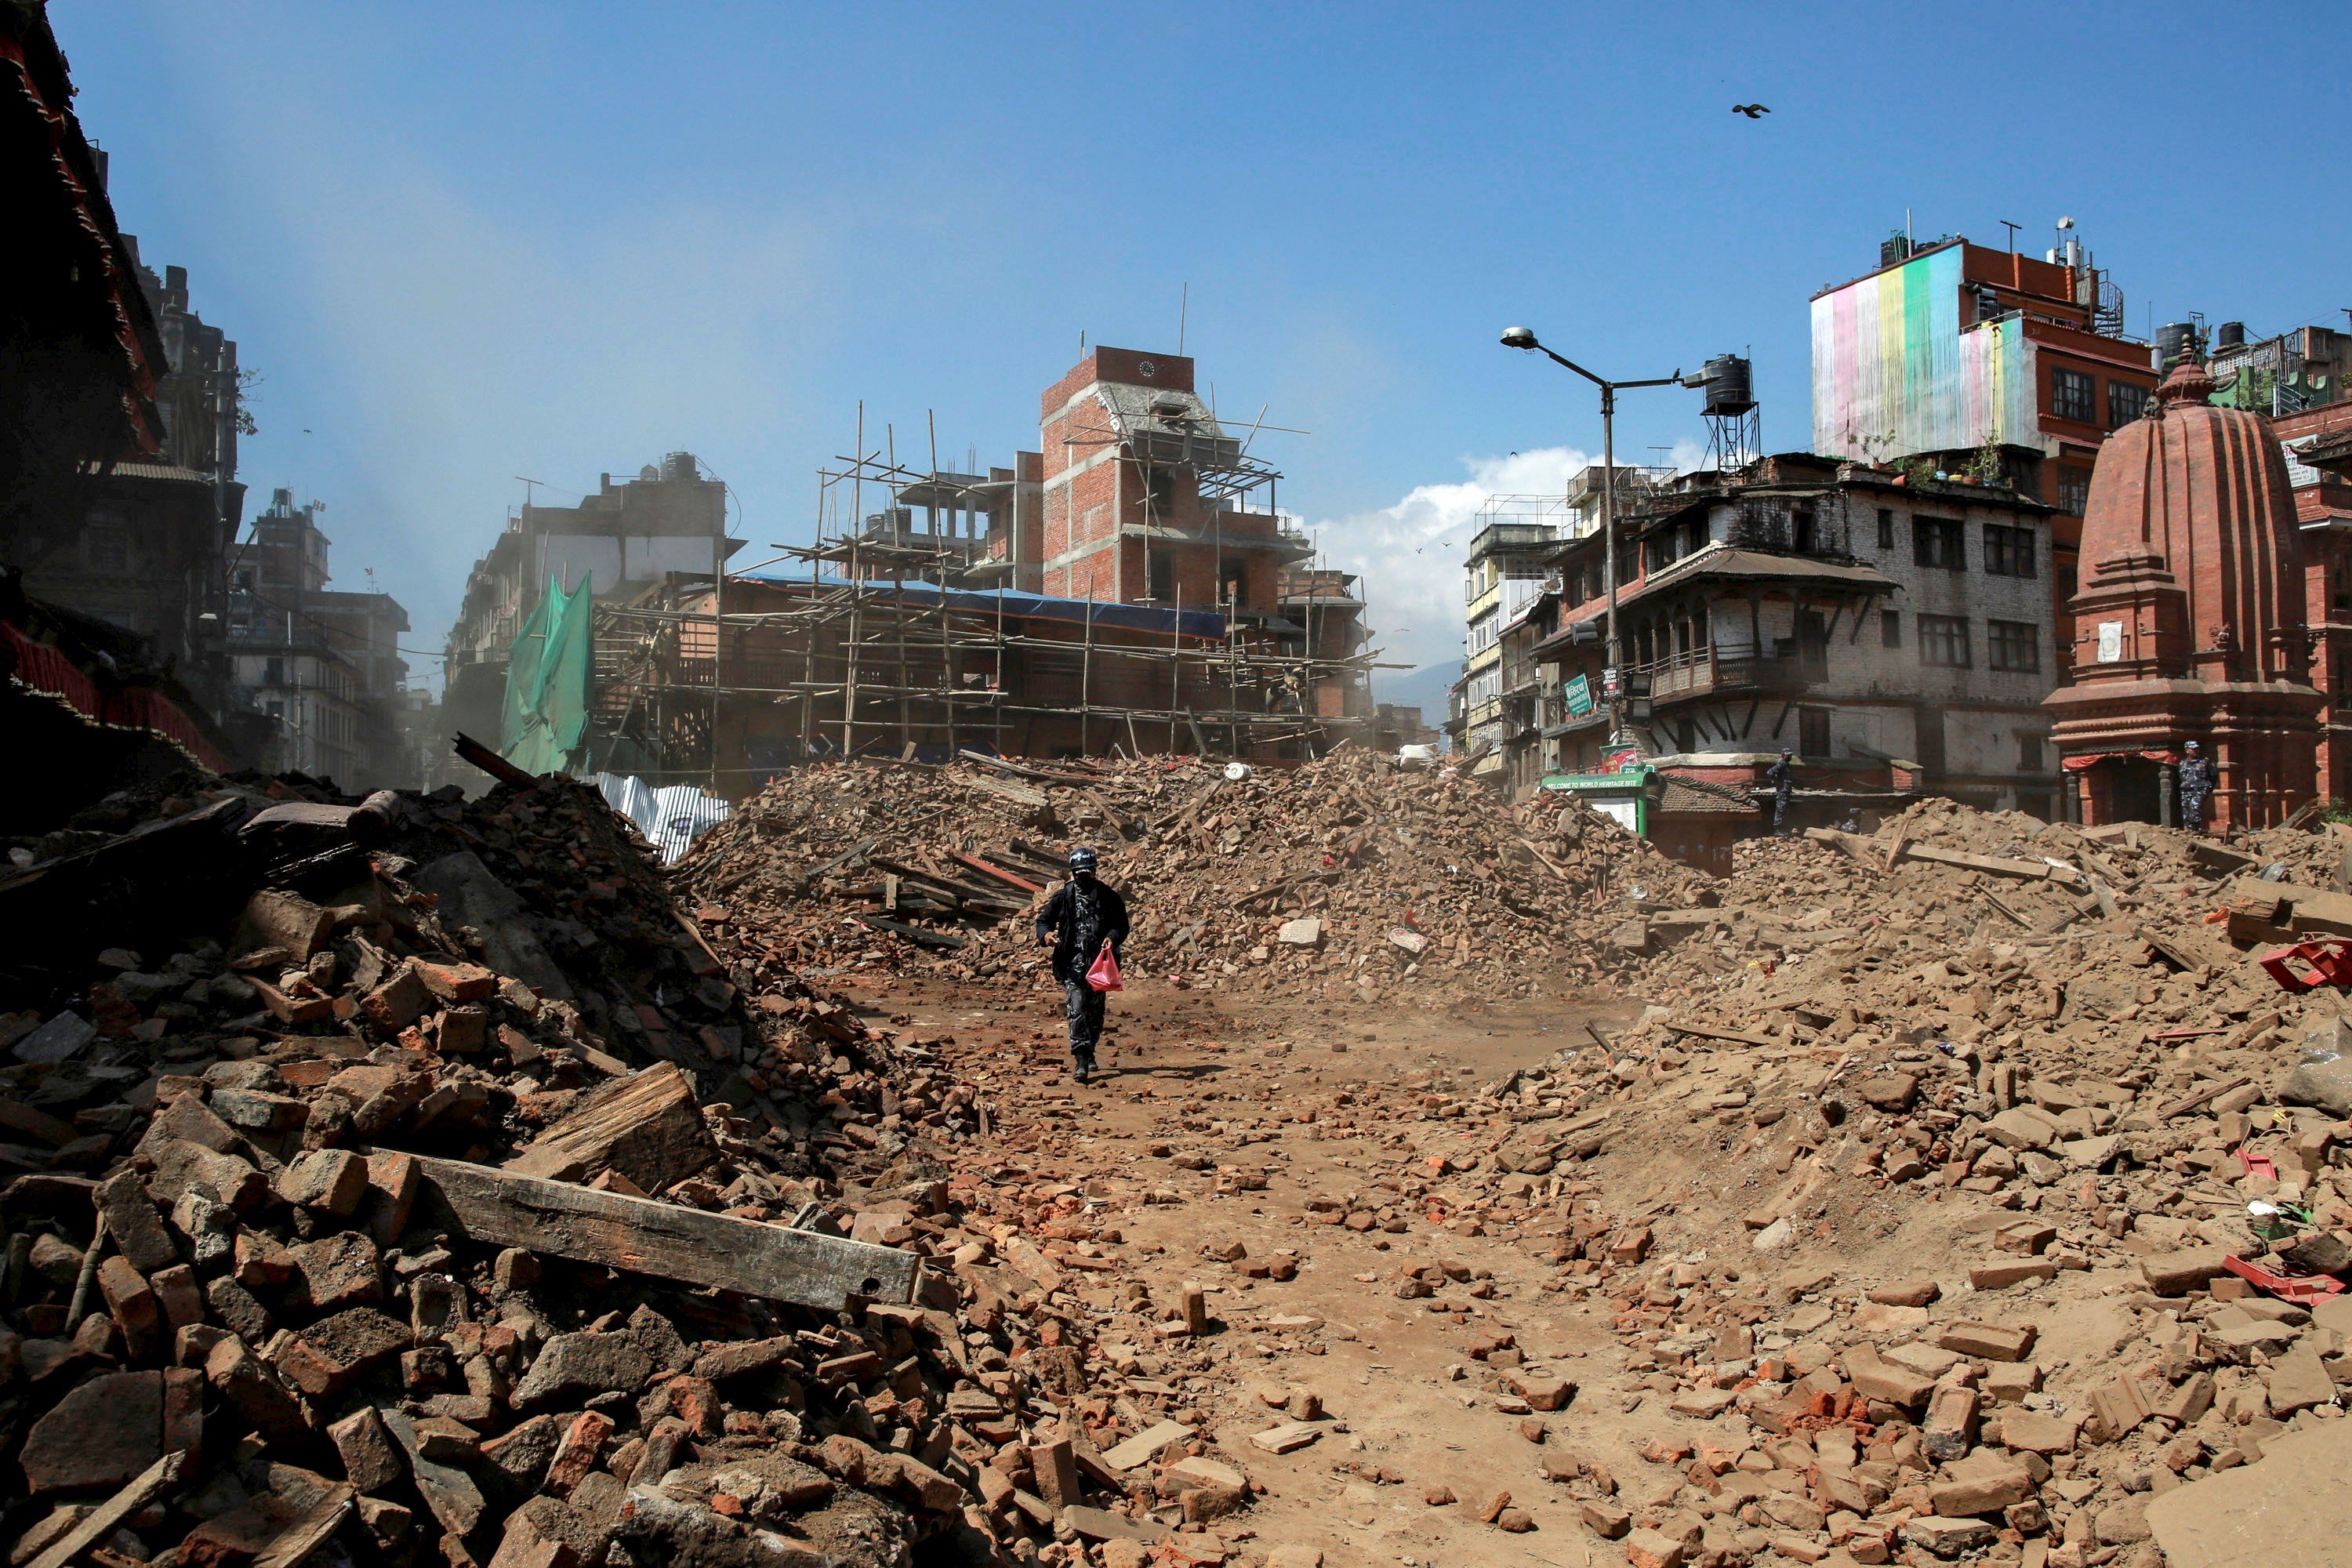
(1716,672)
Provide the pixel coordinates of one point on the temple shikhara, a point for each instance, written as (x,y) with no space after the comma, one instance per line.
(2190,620)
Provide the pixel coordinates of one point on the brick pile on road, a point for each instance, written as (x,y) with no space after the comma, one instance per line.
(408,1180)
(1910,1198)
(1345,879)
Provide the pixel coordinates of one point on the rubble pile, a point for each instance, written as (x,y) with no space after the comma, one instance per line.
(1963,1188)
(424,1188)
(1345,878)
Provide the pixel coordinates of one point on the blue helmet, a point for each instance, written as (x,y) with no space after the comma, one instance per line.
(1082,862)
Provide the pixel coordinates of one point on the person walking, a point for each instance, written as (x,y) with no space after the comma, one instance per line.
(1781,777)
(1078,921)
(2196,788)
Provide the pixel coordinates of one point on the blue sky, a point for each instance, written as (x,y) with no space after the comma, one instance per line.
(465,242)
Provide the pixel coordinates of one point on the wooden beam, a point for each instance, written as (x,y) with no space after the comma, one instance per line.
(108,1516)
(918,935)
(977,864)
(668,1241)
(469,750)
(2030,870)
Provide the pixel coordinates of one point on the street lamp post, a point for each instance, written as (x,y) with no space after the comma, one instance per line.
(1524,338)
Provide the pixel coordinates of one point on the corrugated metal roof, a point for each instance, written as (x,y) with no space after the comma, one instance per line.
(670,818)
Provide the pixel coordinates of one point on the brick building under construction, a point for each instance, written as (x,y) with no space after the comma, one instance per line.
(1131,588)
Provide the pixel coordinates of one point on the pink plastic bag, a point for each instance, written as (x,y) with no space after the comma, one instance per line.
(1104,976)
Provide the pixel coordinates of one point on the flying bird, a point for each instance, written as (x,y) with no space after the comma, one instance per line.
(1753,111)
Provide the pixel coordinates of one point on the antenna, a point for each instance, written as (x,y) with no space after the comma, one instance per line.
(2012,229)
(1183,308)
(530,487)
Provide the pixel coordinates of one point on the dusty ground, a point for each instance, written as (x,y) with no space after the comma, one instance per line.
(1186,1069)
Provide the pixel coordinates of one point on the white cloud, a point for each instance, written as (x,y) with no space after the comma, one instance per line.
(1410,554)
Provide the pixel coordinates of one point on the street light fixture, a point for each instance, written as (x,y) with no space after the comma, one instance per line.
(1524,338)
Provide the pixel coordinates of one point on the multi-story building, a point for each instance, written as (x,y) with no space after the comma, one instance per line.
(1145,496)
(2281,377)
(153,529)
(322,666)
(1502,579)
(1955,357)
(1863,621)
(620,540)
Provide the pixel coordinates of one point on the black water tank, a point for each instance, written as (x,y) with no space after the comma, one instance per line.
(2174,341)
(679,466)
(1727,386)
(2231,335)
(1894,248)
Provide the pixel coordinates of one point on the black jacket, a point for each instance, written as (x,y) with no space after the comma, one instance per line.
(1059,921)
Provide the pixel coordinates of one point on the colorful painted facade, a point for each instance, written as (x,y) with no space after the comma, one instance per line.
(1897,371)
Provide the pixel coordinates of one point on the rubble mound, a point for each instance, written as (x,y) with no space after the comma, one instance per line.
(422,1187)
(1961,1184)
(1347,878)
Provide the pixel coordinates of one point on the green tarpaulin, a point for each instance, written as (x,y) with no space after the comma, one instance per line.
(545,728)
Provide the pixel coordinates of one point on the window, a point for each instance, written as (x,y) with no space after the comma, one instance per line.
(1890,629)
(2074,491)
(1944,641)
(2126,403)
(1161,575)
(273,673)
(1887,527)
(2074,395)
(1812,731)
(2067,583)
(2029,753)
(1801,532)
(1935,542)
(2012,645)
(2009,552)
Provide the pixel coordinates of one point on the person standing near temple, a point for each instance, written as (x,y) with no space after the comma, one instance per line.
(2196,788)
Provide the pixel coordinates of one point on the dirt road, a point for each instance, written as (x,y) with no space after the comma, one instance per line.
(1240,1146)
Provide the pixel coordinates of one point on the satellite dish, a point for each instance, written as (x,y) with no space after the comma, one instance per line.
(2065,223)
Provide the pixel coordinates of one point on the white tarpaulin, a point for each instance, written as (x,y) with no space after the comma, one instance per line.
(670,818)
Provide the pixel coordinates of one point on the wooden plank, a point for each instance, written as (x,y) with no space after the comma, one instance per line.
(977,864)
(648,1128)
(108,1516)
(837,862)
(2175,952)
(918,935)
(1848,842)
(1021,772)
(2189,1102)
(2303,813)
(1716,1032)
(2301,909)
(1271,889)
(666,1241)
(299,1541)
(2027,871)
(1989,896)
(2099,891)
(1020,795)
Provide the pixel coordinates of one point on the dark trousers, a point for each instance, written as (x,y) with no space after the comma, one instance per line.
(1083,1005)
(1780,813)
(2193,812)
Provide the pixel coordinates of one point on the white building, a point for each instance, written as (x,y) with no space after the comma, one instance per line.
(1857,618)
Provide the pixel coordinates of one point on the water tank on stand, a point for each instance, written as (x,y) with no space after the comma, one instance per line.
(2230,335)
(2174,341)
(679,466)
(1727,386)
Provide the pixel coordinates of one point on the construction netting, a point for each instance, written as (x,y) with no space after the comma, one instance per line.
(545,726)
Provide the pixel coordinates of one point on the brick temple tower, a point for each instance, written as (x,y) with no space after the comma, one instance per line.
(2190,620)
